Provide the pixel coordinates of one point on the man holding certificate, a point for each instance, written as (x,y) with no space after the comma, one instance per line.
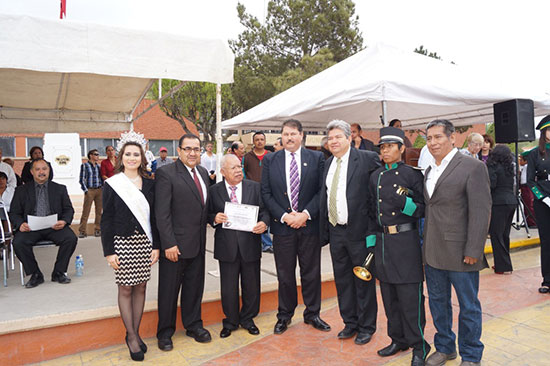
(39,202)
(236,211)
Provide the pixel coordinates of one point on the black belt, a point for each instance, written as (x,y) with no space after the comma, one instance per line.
(394,229)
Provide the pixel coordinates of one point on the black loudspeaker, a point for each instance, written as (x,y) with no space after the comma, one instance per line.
(514,120)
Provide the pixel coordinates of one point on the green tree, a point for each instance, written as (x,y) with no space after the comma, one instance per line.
(196,101)
(298,39)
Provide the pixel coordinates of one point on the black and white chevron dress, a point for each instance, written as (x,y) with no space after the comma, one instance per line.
(134,254)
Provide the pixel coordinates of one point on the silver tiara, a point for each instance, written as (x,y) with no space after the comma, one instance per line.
(131,136)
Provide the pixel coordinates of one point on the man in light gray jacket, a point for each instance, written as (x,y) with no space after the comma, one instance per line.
(458,206)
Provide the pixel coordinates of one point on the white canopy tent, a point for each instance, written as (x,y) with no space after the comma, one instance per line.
(62,76)
(383,81)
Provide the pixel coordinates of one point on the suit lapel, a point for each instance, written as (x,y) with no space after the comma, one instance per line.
(327,167)
(306,165)
(426,195)
(223,193)
(246,194)
(32,197)
(280,162)
(184,174)
(455,161)
(352,164)
(51,196)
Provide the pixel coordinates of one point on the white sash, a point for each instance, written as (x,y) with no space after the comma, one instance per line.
(134,199)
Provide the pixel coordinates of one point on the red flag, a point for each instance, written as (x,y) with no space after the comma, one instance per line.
(63,12)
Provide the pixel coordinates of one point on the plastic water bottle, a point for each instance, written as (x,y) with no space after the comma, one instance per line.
(79,265)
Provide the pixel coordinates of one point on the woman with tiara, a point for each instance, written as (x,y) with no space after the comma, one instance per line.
(129,235)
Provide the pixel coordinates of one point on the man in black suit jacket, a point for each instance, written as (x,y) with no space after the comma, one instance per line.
(239,252)
(344,224)
(181,213)
(42,198)
(291,181)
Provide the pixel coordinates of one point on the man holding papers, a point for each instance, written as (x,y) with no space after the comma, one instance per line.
(238,251)
(42,198)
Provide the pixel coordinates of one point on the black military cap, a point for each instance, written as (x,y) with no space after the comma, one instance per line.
(545,122)
(391,135)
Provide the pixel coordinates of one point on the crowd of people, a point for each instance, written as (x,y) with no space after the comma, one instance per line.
(419,224)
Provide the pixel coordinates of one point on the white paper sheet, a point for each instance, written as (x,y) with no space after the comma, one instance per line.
(41,222)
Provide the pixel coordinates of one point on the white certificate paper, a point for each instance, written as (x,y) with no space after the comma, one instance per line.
(240,217)
(41,222)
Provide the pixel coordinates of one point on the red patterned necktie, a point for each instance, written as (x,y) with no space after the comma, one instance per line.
(198,184)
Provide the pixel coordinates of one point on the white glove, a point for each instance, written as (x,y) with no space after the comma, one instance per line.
(546,200)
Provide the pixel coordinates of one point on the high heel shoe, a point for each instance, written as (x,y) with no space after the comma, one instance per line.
(142,344)
(135,356)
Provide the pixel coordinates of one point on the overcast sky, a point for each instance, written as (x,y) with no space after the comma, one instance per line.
(507,34)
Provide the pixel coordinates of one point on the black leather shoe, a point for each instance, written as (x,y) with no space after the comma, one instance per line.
(226,332)
(200,335)
(391,350)
(142,345)
(318,323)
(60,277)
(417,361)
(347,332)
(165,344)
(281,326)
(252,329)
(363,338)
(36,279)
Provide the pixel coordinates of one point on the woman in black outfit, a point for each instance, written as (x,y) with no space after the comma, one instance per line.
(36,152)
(538,179)
(130,237)
(501,172)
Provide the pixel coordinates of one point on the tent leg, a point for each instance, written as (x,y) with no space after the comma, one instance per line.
(384,114)
(219,138)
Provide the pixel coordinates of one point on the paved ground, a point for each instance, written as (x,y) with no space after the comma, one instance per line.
(516,331)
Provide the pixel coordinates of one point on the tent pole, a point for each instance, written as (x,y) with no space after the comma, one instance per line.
(384,113)
(219,138)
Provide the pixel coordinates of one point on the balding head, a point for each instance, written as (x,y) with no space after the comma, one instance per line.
(231,169)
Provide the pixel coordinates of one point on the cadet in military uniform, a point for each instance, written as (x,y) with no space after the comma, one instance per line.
(538,179)
(396,192)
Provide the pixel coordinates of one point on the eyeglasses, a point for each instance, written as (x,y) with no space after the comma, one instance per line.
(95,154)
(188,150)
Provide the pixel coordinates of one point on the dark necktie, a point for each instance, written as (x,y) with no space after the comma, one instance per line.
(41,207)
(198,184)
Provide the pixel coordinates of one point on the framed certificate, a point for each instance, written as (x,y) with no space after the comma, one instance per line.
(240,217)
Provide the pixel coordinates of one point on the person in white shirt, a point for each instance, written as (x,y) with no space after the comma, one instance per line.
(6,192)
(209,161)
(8,170)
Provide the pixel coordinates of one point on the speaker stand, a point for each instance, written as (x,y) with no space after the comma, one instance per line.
(519,209)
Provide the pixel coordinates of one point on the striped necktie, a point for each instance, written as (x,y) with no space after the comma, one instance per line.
(294,183)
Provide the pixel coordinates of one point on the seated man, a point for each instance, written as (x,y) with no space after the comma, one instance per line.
(42,198)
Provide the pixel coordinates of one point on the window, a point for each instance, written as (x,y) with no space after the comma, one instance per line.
(7,144)
(97,144)
(155,145)
(34,141)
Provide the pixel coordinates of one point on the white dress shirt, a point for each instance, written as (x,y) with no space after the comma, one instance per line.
(203,186)
(288,159)
(425,159)
(341,199)
(523,175)
(437,170)
(238,191)
(12,180)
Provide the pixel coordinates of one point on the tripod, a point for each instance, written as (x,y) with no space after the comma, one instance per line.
(520,203)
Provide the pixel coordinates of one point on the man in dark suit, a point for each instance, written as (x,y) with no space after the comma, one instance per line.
(291,182)
(238,252)
(345,225)
(42,198)
(457,197)
(181,215)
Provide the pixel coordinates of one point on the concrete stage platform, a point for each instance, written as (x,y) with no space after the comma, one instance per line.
(53,320)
